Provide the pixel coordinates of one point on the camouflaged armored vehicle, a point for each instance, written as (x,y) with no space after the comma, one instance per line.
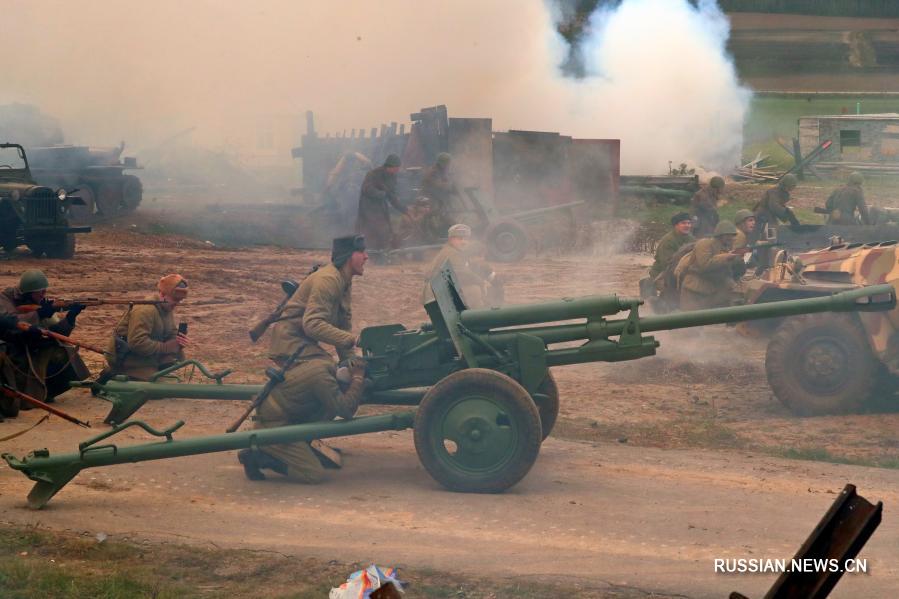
(31,214)
(831,363)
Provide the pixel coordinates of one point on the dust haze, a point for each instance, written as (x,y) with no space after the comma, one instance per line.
(658,76)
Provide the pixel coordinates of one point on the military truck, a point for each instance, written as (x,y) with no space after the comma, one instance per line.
(97,173)
(31,214)
(831,363)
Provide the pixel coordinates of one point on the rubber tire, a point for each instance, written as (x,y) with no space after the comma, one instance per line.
(9,406)
(549,410)
(785,352)
(63,247)
(132,193)
(88,212)
(509,230)
(519,406)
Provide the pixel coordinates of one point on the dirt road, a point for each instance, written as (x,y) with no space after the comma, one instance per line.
(639,513)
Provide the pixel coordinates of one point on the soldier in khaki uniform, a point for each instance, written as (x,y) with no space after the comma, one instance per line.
(706,273)
(673,240)
(772,208)
(146,339)
(319,313)
(475,276)
(745,223)
(705,207)
(845,201)
(43,368)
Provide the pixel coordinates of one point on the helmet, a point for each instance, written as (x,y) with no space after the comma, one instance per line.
(717,182)
(789,181)
(725,227)
(742,215)
(856,178)
(443,158)
(392,161)
(33,280)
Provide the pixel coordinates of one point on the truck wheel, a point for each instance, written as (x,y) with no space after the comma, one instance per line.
(62,246)
(477,431)
(9,406)
(132,193)
(87,212)
(506,241)
(821,364)
(547,401)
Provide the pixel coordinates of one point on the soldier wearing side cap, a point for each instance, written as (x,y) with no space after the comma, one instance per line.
(378,191)
(844,202)
(146,338)
(479,283)
(319,313)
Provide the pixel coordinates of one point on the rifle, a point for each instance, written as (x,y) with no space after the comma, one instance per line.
(24,326)
(14,393)
(61,305)
(275,376)
(289,287)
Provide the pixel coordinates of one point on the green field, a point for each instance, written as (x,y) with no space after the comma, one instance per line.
(771,117)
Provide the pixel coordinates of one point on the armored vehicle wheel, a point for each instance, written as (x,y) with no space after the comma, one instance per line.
(506,241)
(548,404)
(89,210)
(62,246)
(477,431)
(9,406)
(821,364)
(132,193)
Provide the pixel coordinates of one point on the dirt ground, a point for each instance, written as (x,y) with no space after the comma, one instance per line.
(656,467)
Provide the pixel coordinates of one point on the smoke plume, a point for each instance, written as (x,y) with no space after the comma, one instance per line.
(653,72)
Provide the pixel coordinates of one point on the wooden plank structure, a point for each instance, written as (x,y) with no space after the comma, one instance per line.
(520,170)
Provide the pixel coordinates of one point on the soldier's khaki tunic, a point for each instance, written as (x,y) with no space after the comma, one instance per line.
(319,312)
(705,209)
(772,208)
(471,273)
(708,276)
(145,328)
(741,240)
(665,250)
(843,203)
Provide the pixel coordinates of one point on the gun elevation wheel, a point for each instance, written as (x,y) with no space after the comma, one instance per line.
(821,364)
(477,431)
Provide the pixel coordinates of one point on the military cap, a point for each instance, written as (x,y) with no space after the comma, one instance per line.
(856,178)
(717,182)
(680,217)
(459,230)
(443,158)
(173,285)
(343,247)
(725,227)
(742,215)
(789,181)
(33,280)
(392,160)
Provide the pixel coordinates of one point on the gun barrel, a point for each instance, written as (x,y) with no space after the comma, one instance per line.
(564,309)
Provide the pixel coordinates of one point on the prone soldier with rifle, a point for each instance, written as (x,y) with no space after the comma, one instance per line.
(304,386)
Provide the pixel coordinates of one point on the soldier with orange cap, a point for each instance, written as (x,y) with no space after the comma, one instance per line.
(146,339)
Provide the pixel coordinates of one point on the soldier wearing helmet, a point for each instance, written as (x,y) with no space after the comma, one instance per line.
(437,185)
(844,202)
(378,191)
(146,338)
(772,208)
(43,367)
(745,223)
(706,273)
(480,285)
(705,207)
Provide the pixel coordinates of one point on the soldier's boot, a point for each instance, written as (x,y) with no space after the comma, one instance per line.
(264,460)
(247,458)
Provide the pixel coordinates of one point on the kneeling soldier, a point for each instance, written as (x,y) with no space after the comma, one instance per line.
(319,312)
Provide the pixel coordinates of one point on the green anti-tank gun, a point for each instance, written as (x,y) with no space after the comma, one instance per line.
(480,379)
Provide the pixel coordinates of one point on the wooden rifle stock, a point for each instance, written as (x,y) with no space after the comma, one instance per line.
(275,376)
(65,304)
(24,326)
(289,287)
(10,392)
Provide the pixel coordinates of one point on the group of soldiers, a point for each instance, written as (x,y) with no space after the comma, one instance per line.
(146,339)
(378,198)
(698,262)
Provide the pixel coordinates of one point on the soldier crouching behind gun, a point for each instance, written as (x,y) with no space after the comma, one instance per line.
(43,367)
(146,339)
(319,312)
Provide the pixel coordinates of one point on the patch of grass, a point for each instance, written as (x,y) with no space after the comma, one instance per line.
(37,563)
(821,454)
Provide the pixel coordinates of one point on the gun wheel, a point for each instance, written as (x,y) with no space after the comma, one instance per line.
(477,431)
(821,364)
(506,241)
(547,400)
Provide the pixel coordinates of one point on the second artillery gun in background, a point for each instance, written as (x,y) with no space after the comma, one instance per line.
(480,378)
